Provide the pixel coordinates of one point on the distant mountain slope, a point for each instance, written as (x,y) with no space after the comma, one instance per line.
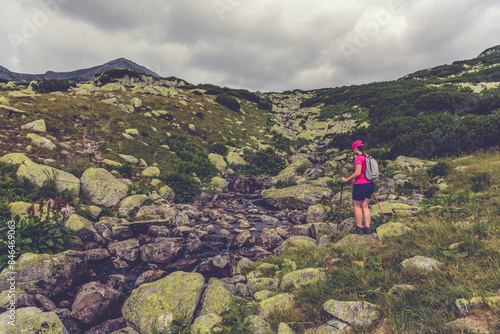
(78,75)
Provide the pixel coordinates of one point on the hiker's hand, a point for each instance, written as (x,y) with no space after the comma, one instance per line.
(343,179)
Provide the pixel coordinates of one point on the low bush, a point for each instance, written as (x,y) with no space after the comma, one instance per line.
(219,148)
(262,162)
(52,85)
(186,188)
(228,101)
(480,181)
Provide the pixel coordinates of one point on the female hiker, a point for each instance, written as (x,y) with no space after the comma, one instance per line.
(362,190)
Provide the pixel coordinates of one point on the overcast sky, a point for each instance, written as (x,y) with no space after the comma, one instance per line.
(265,45)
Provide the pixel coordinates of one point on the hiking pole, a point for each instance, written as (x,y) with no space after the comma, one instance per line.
(379,207)
(340,204)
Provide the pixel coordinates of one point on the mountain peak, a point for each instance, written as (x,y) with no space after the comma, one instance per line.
(78,75)
(489,51)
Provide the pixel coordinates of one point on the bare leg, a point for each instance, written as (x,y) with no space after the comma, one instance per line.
(367,215)
(358,213)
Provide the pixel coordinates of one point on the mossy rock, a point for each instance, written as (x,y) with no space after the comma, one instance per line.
(235,158)
(421,262)
(41,174)
(258,325)
(299,241)
(113,87)
(218,161)
(303,277)
(151,304)
(81,227)
(38,126)
(32,320)
(14,158)
(206,324)
(306,194)
(39,141)
(167,193)
(47,274)
(218,182)
(354,313)
(262,283)
(216,298)
(391,230)
(151,172)
(390,208)
(102,187)
(130,203)
(282,302)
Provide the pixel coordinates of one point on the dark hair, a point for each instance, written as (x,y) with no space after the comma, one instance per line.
(361,148)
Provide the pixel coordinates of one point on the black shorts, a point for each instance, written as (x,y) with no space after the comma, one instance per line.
(362,191)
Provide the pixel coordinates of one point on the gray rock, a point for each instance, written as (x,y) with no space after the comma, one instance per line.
(421,262)
(93,301)
(353,313)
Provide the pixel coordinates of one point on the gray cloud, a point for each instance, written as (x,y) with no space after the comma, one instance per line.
(266,45)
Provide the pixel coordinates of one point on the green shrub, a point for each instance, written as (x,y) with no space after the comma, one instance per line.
(194,159)
(480,181)
(185,186)
(52,85)
(439,169)
(33,234)
(262,163)
(285,184)
(219,148)
(228,101)
(292,203)
(301,169)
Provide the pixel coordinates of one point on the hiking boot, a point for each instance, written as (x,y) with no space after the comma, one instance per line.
(367,230)
(357,230)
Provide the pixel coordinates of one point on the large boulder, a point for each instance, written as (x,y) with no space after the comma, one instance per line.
(92,301)
(102,187)
(46,274)
(235,158)
(113,87)
(353,313)
(305,193)
(32,320)
(152,306)
(41,174)
(206,324)
(163,251)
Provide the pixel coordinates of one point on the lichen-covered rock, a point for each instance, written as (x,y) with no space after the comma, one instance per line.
(102,187)
(112,163)
(206,324)
(41,174)
(216,298)
(21,299)
(235,158)
(464,306)
(32,320)
(284,329)
(167,193)
(151,172)
(82,228)
(218,161)
(421,262)
(136,102)
(39,141)
(92,301)
(282,302)
(14,158)
(299,241)
(262,283)
(129,158)
(242,263)
(218,182)
(399,209)
(113,87)
(391,230)
(126,330)
(126,249)
(355,239)
(307,194)
(161,252)
(299,278)
(152,304)
(470,324)
(133,132)
(411,164)
(289,173)
(354,313)
(315,214)
(46,274)
(319,229)
(38,126)
(130,203)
